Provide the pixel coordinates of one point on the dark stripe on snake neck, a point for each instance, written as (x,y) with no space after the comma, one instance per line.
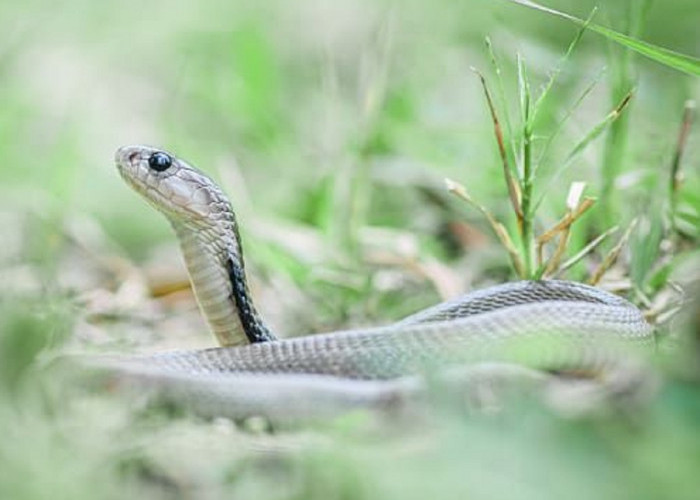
(253,326)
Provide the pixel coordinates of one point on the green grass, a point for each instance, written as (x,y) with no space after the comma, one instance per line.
(332,126)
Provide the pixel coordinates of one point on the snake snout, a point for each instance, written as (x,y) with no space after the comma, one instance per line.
(126,155)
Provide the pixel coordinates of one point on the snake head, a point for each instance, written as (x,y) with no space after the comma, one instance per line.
(177,189)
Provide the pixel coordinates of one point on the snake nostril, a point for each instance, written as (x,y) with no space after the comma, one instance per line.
(133,156)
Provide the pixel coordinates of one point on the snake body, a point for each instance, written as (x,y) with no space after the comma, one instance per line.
(525,328)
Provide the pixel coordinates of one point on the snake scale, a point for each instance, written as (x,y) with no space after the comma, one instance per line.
(524,330)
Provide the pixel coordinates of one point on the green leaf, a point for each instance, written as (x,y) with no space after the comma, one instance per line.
(512,159)
(524,91)
(553,77)
(591,136)
(598,129)
(681,62)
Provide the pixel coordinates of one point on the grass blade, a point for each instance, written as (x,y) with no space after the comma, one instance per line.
(553,77)
(513,188)
(598,129)
(681,62)
(676,177)
(560,125)
(528,169)
(502,96)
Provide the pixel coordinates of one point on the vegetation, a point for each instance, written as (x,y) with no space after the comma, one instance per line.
(333,126)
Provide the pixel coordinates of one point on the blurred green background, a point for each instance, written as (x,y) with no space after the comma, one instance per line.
(332,125)
(332,116)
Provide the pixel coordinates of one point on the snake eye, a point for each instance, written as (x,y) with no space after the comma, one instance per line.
(160,161)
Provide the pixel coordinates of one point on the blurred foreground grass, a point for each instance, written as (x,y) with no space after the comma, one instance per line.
(331,125)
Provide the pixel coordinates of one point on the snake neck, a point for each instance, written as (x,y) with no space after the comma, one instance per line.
(251,322)
(214,261)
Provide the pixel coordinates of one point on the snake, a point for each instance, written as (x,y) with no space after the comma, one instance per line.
(523,330)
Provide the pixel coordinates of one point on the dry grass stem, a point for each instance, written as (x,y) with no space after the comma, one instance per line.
(566,221)
(676,179)
(575,208)
(460,191)
(568,264)
(612,256)
(513,188)
(555,259)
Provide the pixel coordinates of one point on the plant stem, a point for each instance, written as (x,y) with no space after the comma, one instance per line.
(528,174)
(623,78)
(526,229)
(676,175)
